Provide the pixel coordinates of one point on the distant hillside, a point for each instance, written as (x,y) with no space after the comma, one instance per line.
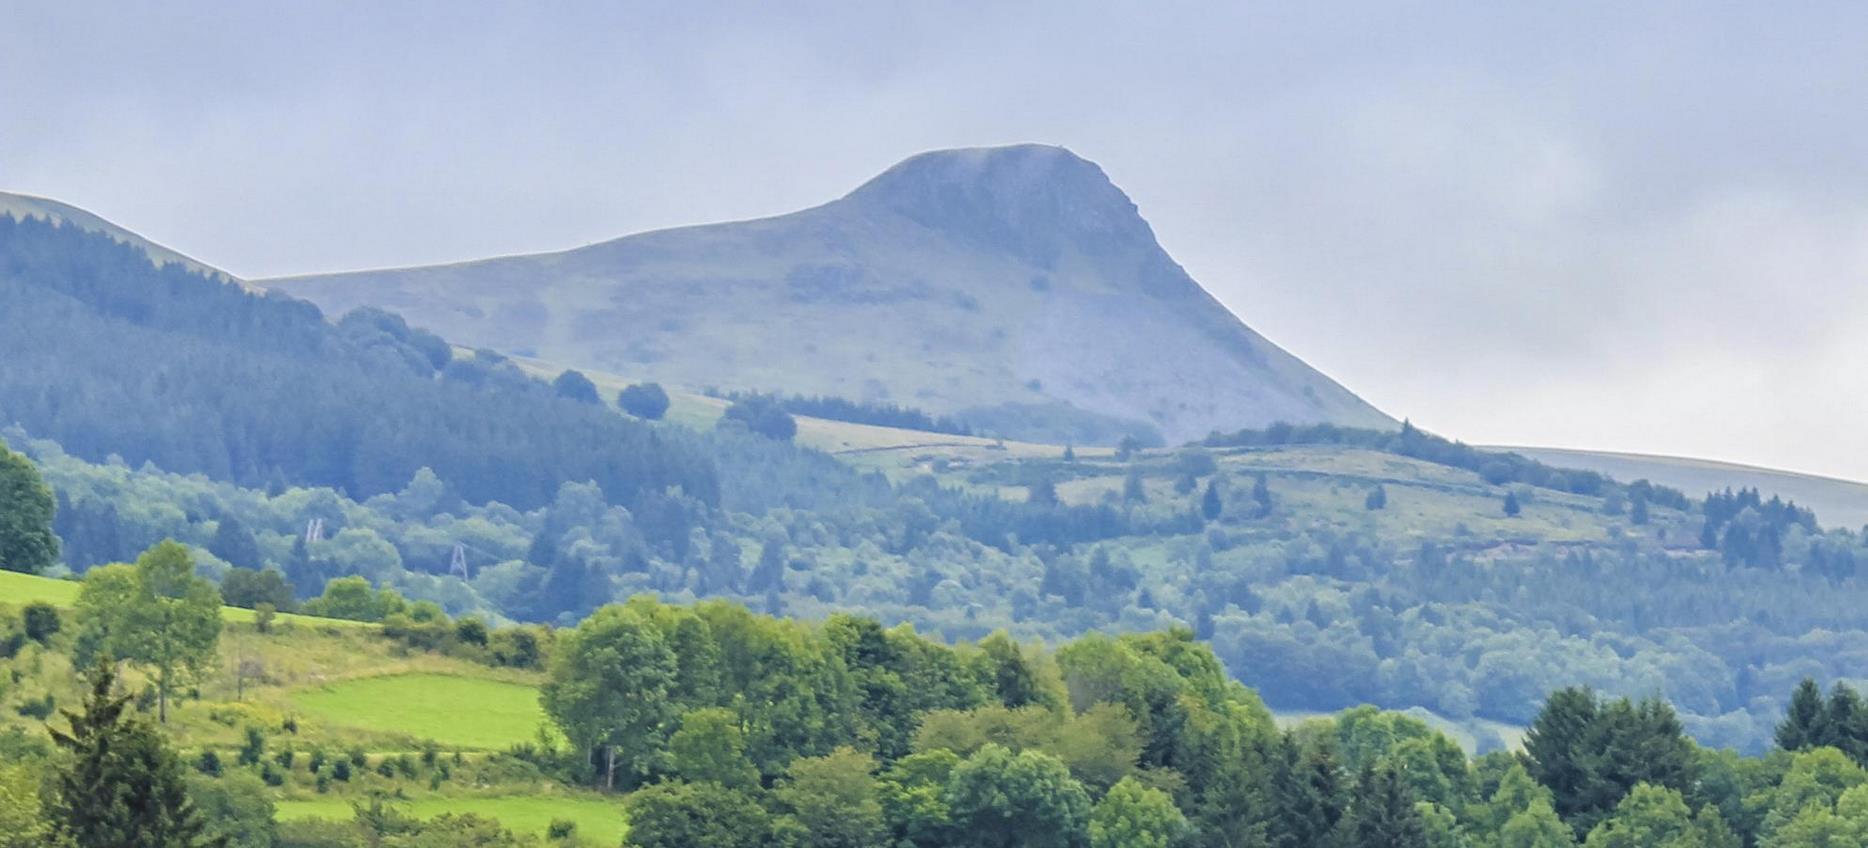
(1838,503)
(22,205)
(1015,284)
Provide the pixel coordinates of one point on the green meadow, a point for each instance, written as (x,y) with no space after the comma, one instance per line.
(455,711)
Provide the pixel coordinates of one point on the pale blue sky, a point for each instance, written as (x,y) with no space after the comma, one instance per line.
(1589,225)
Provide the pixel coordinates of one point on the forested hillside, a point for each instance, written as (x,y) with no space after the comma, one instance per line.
(1326,566)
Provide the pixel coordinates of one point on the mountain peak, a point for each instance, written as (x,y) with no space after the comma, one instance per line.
(1035,200)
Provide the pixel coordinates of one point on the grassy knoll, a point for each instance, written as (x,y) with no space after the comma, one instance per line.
(599,819)
(16,588)
(456,711)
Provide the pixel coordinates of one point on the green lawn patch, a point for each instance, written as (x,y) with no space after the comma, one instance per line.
(461,712)
(599,820)
(17,588)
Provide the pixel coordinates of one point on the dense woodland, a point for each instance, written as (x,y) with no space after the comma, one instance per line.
(713,725)
(289,446)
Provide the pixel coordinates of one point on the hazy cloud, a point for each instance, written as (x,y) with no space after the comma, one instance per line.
(1597,226)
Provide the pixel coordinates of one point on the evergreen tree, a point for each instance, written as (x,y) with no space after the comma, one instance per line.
(1261,495)
(1134,489)
(1843,720)
(1210,504)
(1638,513)
(1805,722)
(122,787)
(1512,507)
(1383,815)
(1554,747)
(26,516)
(1377,499)
(1307,795)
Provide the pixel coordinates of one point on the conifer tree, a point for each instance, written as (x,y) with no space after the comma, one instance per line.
(1210,504)
(123,788)
(1384,815)
(1803,723)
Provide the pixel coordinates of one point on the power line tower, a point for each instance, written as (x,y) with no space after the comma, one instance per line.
(457,565)
(314,531)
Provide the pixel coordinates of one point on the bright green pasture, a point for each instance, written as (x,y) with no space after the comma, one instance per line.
(599,820)
(455,711)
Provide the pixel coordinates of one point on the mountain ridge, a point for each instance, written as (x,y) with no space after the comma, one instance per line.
(977,281)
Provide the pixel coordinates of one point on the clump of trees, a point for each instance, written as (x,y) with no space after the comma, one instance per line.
(764,416)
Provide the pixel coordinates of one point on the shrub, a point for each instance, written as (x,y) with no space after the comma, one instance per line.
(209,763)
(255,747)
(561,829)
(644,400)
(41,621)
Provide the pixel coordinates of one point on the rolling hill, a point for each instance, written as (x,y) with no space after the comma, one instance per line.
(1838,503)
(1016,285)
(23,205)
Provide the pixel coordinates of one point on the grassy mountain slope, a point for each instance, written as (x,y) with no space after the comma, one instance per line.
(1838,503)
(1008,279)
(23,205)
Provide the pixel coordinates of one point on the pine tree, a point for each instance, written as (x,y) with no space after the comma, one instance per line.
(1512,507)
(1210,504)
(1803,724)
(1842,722)
(122,788)
(1306,794)
(1383,815)
(1133,489)
(1638,513)
(1377,499)
(1261,495)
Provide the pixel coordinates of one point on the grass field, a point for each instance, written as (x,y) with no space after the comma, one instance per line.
(453,710)
(599,820)
(16,588)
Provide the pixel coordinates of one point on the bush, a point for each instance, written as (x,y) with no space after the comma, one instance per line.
(255,747)
(644,400)
(209,763)
(561,829)
(763,416)
(41,621)
(40,708)
(340,771)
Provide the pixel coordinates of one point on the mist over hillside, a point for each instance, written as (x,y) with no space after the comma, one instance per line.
(1016,285)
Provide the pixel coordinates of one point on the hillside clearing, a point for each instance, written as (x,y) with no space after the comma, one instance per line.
(599,820)
(453,710)
(17,588)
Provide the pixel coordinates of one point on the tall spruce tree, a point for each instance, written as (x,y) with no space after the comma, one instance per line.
(1383,815)
(1803,723)
(123,787)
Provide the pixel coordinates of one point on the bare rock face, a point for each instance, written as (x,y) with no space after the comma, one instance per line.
(1016,283)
